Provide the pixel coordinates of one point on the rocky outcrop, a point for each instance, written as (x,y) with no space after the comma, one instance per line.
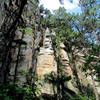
(46,62)
(23,60)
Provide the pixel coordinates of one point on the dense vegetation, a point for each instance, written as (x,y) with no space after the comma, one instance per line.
(80,34)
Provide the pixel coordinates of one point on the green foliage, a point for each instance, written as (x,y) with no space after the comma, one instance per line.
(52,78)
(78,31)
(11,91)
(27,30)
(55,79)
(56,41)
(93,60)
(8,91)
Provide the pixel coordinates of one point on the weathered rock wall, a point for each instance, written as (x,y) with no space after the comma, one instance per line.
(46,62)
(23,60)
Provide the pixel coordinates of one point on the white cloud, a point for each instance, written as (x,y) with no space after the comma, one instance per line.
(51,4)
(54,4)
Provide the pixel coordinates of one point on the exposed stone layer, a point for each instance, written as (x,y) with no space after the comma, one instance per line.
(46,63)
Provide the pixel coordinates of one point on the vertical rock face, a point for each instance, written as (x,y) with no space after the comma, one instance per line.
(26,64)
(65,62)
(46,62)
(71,84)
(24,59)
(67,69)
(18,58)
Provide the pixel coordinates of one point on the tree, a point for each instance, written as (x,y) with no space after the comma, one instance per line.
(64,25)
(90,17)
(74,31)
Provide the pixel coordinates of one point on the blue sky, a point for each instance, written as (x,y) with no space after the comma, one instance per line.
(54,4)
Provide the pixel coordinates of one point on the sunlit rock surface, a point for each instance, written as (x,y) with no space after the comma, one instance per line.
(46,62)
(24,58)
